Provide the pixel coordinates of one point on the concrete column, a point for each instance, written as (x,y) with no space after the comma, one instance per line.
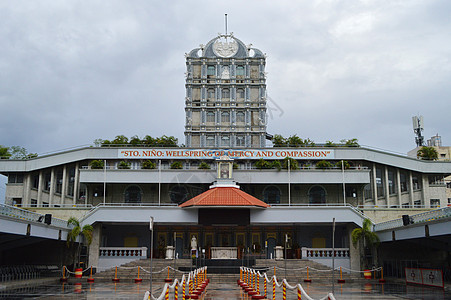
(94,248)
(374,184)
(424,192)
(76,183)
(387,187)
(398,186)
(52,187)
(26,190)
(64,185)
(410,189)
(354,252)
(41,181)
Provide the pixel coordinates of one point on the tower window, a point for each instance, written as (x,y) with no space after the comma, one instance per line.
(240,93)
(225,141)
(210,117)
(211,71)
(210,141)
(211,94)
(240,117)
(225,117)
(240,141)
(239,71)
(225,93)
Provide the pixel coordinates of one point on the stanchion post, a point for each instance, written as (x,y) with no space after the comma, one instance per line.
(258,282)
(265,288)
(274,288)
(284,291)
(176,291)
(299,294)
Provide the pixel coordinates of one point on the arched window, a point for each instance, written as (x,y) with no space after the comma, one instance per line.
(178,194)
(225,117)
(225,141)
(240,93)
(239,71)
(240,117)
(133,194)
(271,194)
(211,70)
(317,195)
(210,117)
(225,94)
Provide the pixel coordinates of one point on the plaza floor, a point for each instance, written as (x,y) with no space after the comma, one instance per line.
(219,291)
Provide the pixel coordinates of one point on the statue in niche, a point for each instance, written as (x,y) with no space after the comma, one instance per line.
(193,243)
(225,73)
(225,171)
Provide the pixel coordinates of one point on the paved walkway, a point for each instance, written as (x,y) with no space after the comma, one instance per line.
(45,289)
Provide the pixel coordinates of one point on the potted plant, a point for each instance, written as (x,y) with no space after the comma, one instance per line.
(123,165)
(148,164)
(96,164)
(177,165)
(204,166)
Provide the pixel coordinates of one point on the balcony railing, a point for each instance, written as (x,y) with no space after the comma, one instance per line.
(122,252)
(324,252)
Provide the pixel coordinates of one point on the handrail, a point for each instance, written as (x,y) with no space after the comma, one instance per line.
(437,214)
(23,214)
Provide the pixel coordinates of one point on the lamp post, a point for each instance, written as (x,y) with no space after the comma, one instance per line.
(286,243)
(151,252)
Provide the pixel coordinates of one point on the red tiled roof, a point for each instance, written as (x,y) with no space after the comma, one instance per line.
(224,196)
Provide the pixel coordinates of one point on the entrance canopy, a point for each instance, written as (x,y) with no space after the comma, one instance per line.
(224,197)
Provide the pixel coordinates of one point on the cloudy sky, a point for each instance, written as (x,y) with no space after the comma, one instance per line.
(74,71)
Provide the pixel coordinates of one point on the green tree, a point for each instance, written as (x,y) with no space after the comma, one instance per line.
(350,143)
(120,140)
(330,144)
(279,141)
(346,164)
(427,153)
(149,141)
(18,152)
(295,141)
(167,141)
(367,239)
(135,141)
(4,152)
(96,164)
(74,233)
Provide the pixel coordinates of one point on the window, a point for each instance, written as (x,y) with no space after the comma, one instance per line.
(36,181)
(240,93)
(225,141)
(210,117)
(436,180)
(391,182)
(379,183)
(417,203)
(133,194)
(239,71)
(70,186)
(34,203)
(317,195)
(225,117)
(59,182)
(211,71)
(405,205)
(239,141)
(367,192)
(416,182)
(211,93)
(403,182)
(210,141)
(240,117)
(17,202)
(15,178)
(45,204)
(271,195)
(47,178)
(178,194)
(225,94)
(435,203)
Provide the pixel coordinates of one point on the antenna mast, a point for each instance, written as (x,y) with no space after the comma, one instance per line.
(226,25)
(418,127)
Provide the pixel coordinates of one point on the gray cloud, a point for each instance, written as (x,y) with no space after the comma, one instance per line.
(74,71)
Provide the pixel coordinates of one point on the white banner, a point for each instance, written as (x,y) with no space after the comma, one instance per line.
(413,275)
(432,277)
(180,153)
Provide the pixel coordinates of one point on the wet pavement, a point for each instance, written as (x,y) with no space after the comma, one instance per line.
(219,291)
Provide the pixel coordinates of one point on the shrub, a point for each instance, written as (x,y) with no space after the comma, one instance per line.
(324,164)
(276,165)
(345,164)
(204,166)
(124,165)
(177,165)
(148,164)
(293,163)
(96,164)
(262,164)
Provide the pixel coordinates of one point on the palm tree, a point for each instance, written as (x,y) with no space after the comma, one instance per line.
(76,231)
(366,238)
(427,153)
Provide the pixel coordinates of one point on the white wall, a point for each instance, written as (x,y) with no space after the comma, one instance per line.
(3,180)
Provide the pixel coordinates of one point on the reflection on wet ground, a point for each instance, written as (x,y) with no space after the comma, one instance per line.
(219,291)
